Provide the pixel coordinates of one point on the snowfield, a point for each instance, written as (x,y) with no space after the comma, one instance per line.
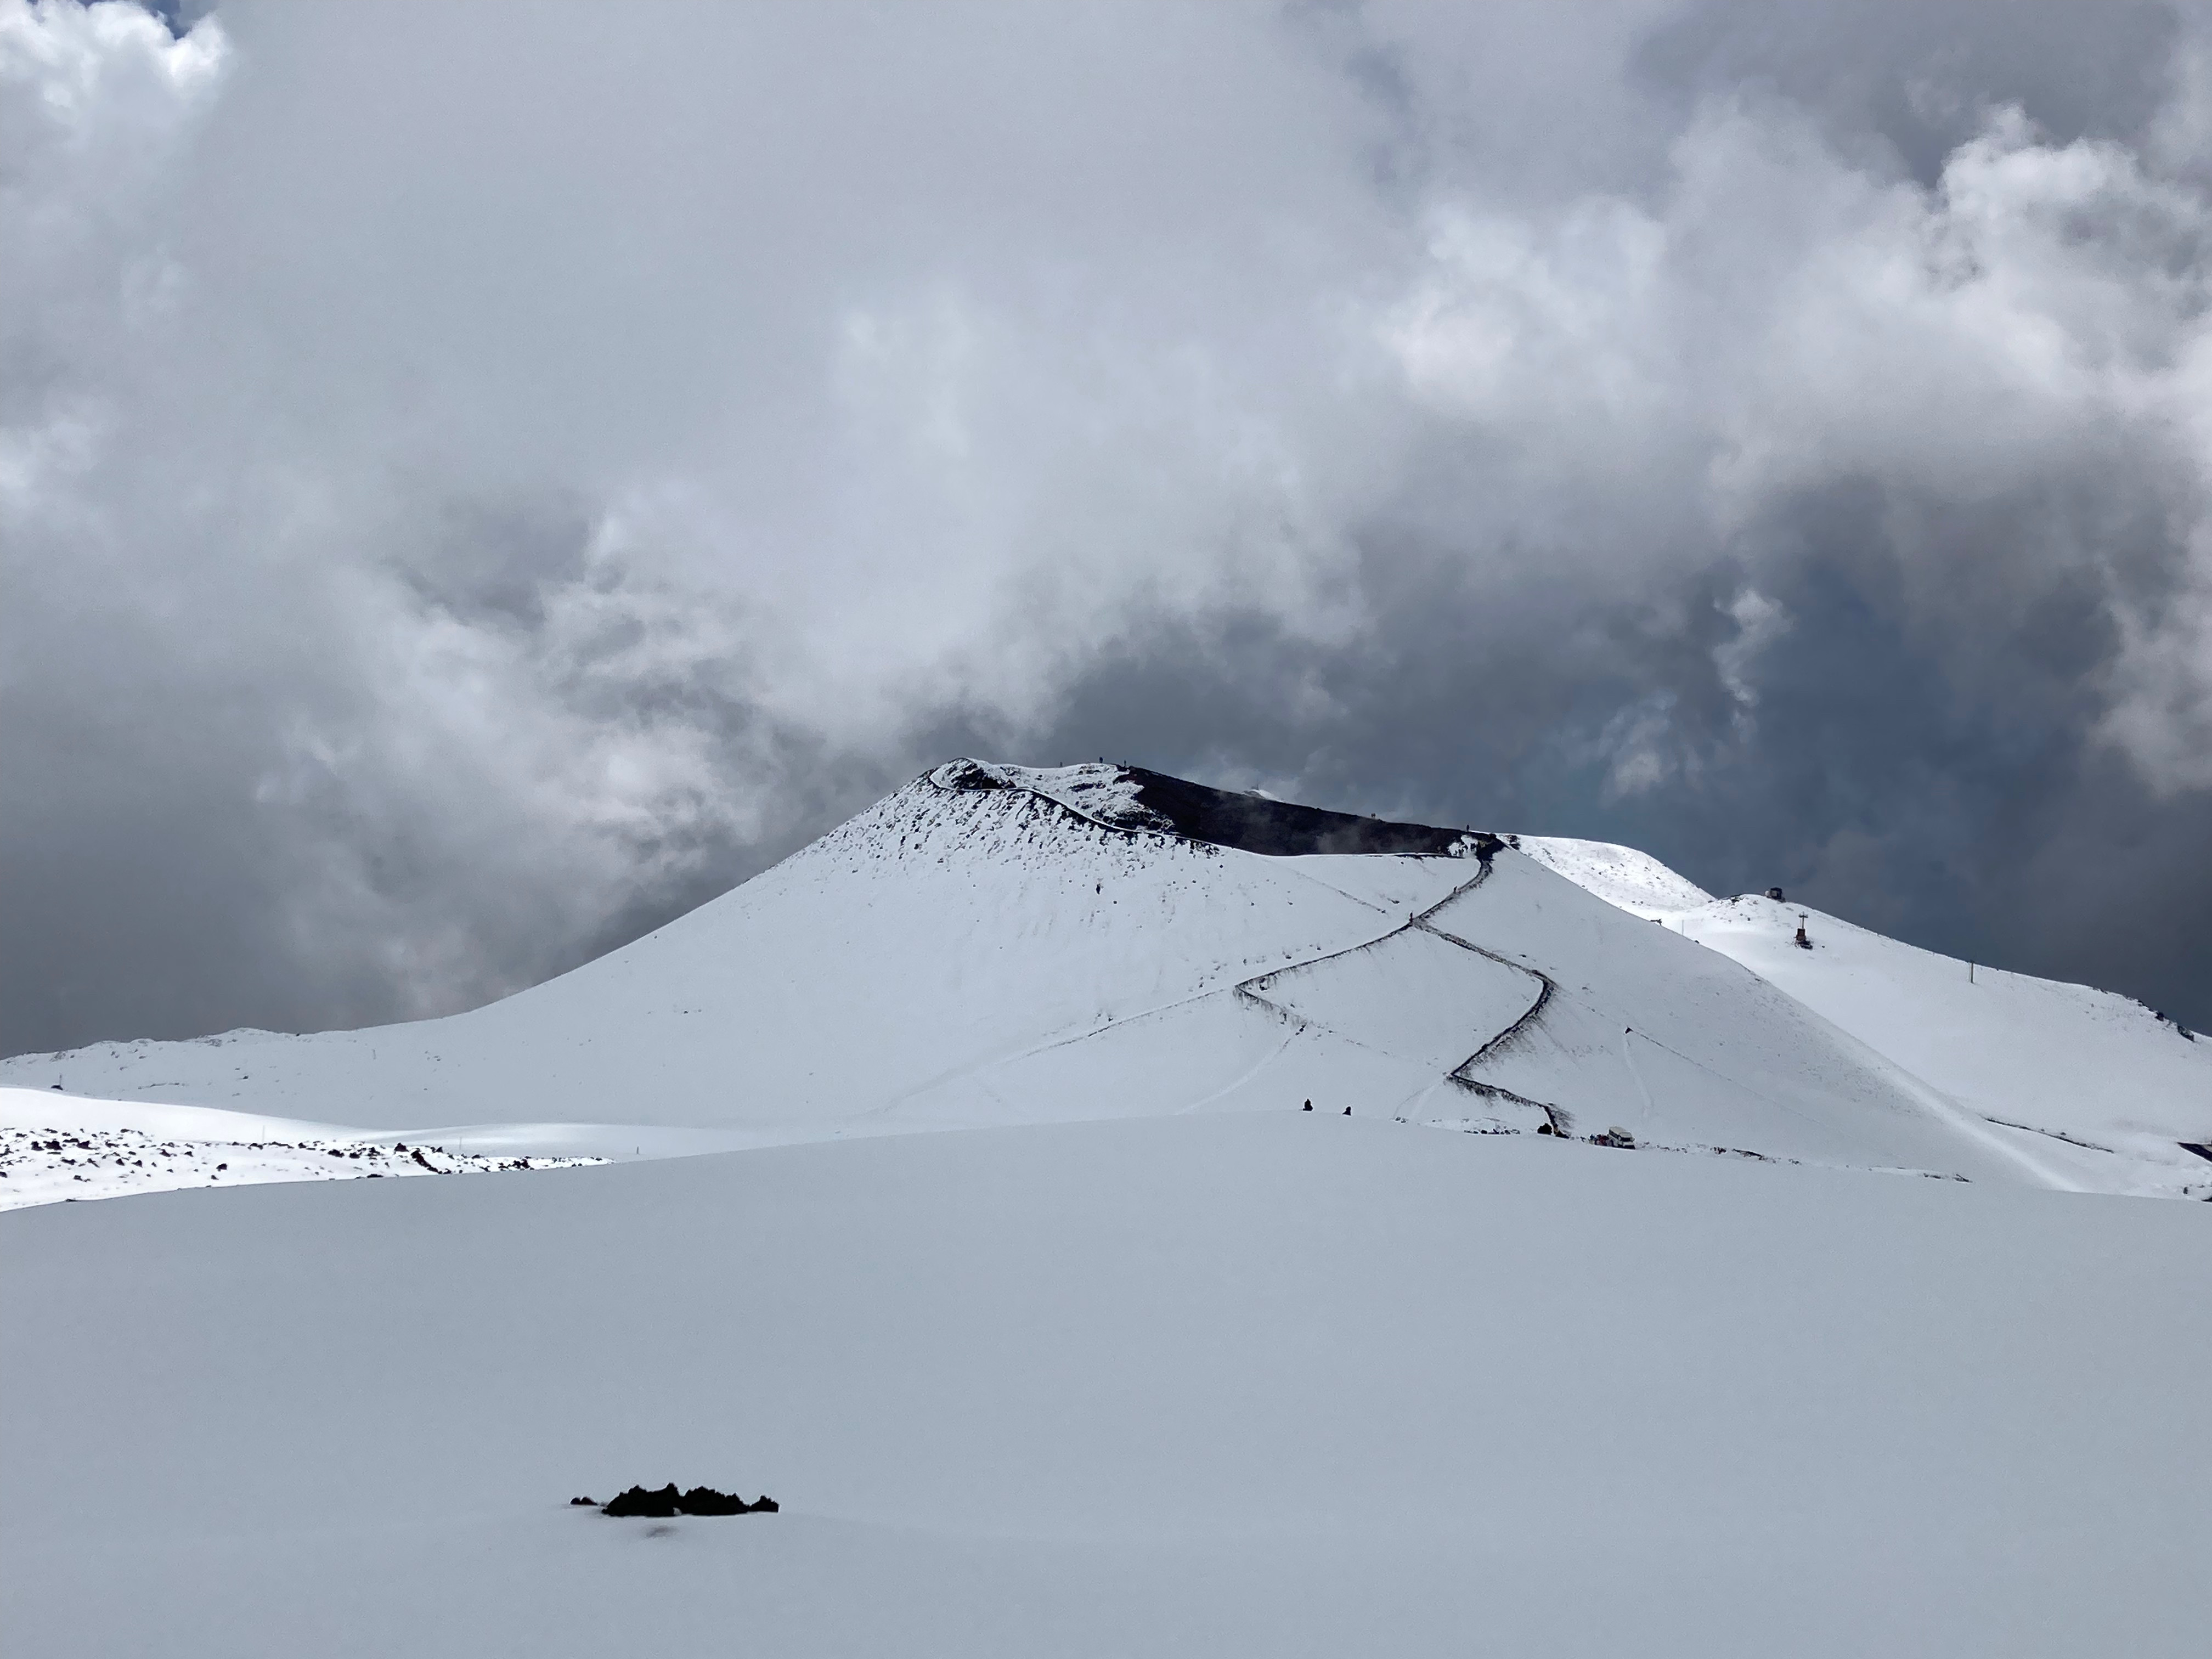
(1276,1383)
(1602,1324)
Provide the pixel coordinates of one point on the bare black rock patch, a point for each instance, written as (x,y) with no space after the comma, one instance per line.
(668,1503)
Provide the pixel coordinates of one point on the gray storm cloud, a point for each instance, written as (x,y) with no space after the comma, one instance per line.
(476,478)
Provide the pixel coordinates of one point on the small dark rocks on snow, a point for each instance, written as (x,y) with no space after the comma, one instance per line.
(700,1500)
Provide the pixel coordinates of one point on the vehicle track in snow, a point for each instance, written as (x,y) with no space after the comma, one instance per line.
(1250,990)
(1460,1075)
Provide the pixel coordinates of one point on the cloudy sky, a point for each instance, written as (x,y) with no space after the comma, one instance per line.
(476,479)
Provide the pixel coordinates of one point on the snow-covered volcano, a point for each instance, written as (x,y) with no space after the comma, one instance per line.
(1217,1377)
(997,945)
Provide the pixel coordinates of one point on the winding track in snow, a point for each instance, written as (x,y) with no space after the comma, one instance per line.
(1251,990)
(1459,1074)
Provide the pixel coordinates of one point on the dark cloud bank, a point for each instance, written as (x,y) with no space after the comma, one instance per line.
(479,479)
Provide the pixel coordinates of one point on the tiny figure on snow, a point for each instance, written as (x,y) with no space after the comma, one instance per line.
(1310,1105)
(1801,941)
(1347,1111)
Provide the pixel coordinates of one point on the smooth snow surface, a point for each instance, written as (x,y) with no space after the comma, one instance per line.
(1622,876)
(1280,1384)
(2102,1092)
(998,945)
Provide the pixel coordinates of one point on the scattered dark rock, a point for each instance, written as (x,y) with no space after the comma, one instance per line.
(666,1502)
(966,775)
(587,1503)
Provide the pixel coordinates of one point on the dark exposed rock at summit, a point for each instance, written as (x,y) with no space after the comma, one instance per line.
(1253,823)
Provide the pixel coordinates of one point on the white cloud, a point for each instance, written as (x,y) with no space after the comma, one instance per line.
(579,442)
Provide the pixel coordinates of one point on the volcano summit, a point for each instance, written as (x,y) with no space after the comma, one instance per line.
(998,945)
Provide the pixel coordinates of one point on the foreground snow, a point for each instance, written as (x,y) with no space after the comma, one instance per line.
(1286,1384)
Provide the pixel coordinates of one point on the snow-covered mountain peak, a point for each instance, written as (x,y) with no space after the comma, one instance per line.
(1327,1217)
(1103,794)
(1136,798)
(996,944)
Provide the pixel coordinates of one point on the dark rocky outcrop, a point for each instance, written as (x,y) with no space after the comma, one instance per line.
(668,1502)
(638,1501)
(1253,823)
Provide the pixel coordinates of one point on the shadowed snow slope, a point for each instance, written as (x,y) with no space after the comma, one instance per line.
(998,945)
(1279,1384)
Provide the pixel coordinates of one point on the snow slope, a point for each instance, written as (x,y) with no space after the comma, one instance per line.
(1632,881)
(2105,1093)
(1260,1384)
(944,931)
(984,947)
(2097,1082)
